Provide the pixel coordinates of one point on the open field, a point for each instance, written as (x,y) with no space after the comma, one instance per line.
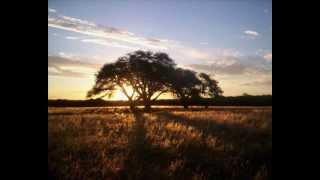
(167,143)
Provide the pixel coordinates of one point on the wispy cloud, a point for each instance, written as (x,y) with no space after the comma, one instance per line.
(63,65)
(107,43)
(267,82)
(242,73)
(234,65)
(265,53)
(193,53)
(268,57)
(223,62)
(251,33)
(52,10)
(232,69)
(114,37)
(92,29)
(102,42)
(57,71)
(72,37)
(189,54)
(260,80)
(67,56)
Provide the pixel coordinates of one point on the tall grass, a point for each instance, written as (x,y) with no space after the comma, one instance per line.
(100,143)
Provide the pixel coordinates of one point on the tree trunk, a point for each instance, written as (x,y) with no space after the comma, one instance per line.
(132,106)
(147,107)
(185,103)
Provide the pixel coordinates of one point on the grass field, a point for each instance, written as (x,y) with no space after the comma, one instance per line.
(167,143)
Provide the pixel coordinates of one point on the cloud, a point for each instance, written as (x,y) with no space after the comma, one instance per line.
(268,57)
(232,69)
(226,65)
(68,55)
(92,29)
(223,61)
(259,83)
(194,53)
(57,71)
(234,65)
(67,60)
(113,37)
(52,10)
(190,55)
(153,40)
(67,67)
(251,33)
(102,42)
(72,37)
(265,53)
(77,21)
(107,43)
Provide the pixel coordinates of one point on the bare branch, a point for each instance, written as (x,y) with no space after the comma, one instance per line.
(158,95)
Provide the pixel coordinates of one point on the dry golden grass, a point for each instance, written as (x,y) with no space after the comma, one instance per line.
(102,143)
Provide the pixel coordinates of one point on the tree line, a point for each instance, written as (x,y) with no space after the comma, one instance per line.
(148,75)
(245,100)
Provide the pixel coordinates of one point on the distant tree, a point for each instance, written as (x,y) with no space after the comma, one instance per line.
(209,87)
(188,86)
(185,85)
(144,71)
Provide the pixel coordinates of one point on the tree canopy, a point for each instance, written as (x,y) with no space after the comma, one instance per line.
(149,75)
(188,85)
(143,71)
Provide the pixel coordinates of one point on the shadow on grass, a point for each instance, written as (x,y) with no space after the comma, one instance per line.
(144,160)
(242,154)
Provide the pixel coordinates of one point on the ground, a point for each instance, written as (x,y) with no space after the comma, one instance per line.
(166,143)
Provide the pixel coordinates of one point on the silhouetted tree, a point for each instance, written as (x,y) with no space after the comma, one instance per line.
(144,71)
(187,86)
(209,87)
(150,74)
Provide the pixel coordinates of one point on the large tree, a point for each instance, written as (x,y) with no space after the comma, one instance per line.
(147,73)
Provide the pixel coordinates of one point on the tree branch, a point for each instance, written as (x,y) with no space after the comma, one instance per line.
(158,95)
(132,93)
(124,91)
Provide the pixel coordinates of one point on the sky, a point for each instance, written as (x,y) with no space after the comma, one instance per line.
(230,40)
